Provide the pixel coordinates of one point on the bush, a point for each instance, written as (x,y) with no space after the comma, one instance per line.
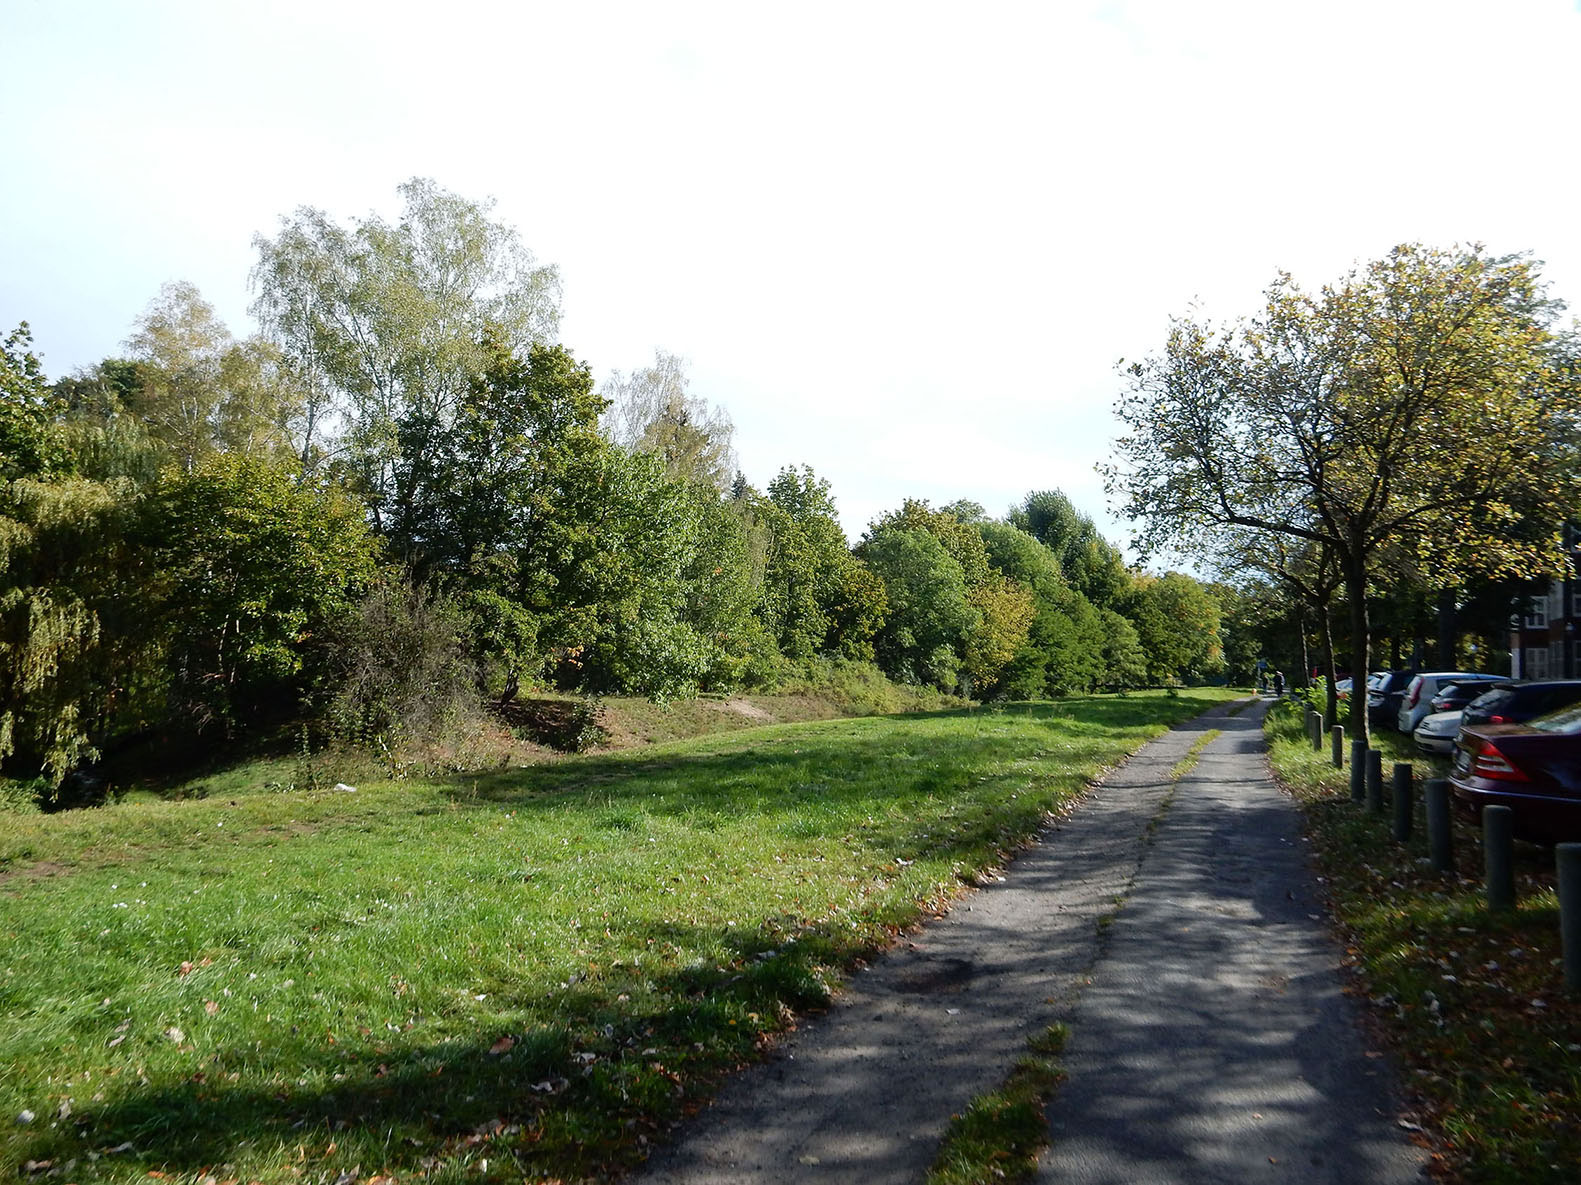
(404,687)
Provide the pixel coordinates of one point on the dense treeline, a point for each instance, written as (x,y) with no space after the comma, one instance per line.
(404,496)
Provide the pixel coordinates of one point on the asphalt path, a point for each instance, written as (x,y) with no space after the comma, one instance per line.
(1174,925)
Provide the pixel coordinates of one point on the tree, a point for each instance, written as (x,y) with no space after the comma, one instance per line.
(1401,407)
(386,326)
(1064,647)
(817,598)
(930,611)
(651,411)
(1177,623)
(253,567)
(1091,564)
(28,442)
(62,563)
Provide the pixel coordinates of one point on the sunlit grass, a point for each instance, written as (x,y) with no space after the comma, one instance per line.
(540,968)
(999,1136)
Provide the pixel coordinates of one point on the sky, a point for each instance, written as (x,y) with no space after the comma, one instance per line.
(906,244)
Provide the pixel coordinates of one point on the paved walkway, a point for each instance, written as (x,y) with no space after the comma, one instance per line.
(1210,1040)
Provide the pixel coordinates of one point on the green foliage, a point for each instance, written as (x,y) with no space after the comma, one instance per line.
(389,326)
(253,565)
(63,564)
(1064,648)
(651,411)
(28,443)
(816,598)
(1092,565)
(1177,624)
(1357,419)
(398,679)
(930,614)
(1124,660)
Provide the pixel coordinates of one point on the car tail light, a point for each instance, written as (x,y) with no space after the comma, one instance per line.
(1490,763)
(1416,694)
(1499,720)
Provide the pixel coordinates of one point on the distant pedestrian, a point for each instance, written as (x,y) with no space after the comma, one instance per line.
(1279,684)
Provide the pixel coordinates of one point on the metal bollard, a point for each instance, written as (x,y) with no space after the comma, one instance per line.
(1498,856)
(1337,745)
(1568,858)
(1374,782)
(1358,771)
(1403,806)
(1440,833)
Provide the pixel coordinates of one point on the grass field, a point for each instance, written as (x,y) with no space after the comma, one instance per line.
(529,973)
(1472,1002)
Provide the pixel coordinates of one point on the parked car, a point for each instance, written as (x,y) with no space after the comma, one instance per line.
(1417,701)
(1384,692)
(1515,703)
(1437,731)
(1454,696)
(1532,768)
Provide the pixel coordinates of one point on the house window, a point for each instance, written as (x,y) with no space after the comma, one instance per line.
(1575,602)
(1537,617)
(1534,662)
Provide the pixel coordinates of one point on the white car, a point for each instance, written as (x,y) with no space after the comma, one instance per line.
(1437,732)
(1417,700)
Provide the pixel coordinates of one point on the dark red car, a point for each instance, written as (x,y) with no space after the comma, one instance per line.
(1533,768)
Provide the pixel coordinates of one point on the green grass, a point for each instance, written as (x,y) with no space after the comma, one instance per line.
(1000,1134)
(1472,1003)
(540,969)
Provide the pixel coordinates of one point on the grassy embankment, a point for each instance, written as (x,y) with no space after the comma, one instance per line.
(523,973)
(1472,1003)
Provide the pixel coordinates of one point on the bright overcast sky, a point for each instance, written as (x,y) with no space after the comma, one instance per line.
(905,244)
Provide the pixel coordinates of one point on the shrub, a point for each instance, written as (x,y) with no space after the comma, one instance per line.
(403,686)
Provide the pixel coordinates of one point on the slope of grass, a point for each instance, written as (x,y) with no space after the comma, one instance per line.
(527,973)
(1472,1002)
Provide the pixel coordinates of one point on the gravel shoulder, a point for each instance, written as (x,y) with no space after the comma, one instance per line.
(1210,1038)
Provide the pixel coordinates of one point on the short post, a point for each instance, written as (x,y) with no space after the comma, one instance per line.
(1374,782)
(1498,855)
(1403,806)
(1337,745)
(1568,858)
(1440,835)
(1315,730)
(1358,771)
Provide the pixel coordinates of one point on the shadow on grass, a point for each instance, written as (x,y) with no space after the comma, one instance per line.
(601,1064)
(586,1073)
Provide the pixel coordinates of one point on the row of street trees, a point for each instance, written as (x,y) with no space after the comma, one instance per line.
(404,494)
(1412,424)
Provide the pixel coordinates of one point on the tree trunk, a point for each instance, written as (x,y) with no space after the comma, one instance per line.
(1331,707)
(1446,630)
(1360,657)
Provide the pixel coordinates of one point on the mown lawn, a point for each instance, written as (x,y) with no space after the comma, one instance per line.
(1473,1003)
(525,973)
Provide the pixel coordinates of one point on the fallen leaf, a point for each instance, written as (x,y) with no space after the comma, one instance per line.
(175,1034)
(501,1046)
(185,970)
(210,1007)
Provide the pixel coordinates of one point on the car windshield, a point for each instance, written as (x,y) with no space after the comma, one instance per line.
(1564,720)
(1491,701)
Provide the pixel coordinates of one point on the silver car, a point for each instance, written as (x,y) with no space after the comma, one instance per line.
(1418,699)
(1437,732)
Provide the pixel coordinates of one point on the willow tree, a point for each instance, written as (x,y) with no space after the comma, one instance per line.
(1415,403)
